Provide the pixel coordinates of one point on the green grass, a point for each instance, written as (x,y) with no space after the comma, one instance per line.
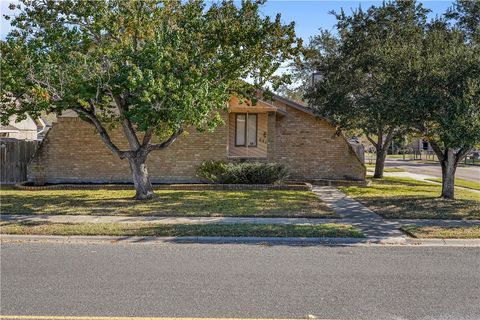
(470,232)
(179,230)
(371,167)
(471,162)
(257,203)
(397,156)
(404,198)
(461,183)
(394,169)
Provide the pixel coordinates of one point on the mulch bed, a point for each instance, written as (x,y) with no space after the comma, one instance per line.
(185,186)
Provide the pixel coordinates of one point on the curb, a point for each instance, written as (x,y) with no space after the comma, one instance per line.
(444,242)
(368,241)
(204,240)
(201,240)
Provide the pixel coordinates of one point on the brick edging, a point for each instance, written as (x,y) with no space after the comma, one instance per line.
(187,186)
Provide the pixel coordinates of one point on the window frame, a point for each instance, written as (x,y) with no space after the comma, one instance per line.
(246,130)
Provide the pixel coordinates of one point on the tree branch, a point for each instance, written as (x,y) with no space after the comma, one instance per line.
(103,133)
(146,138)
(462,153)
(167,142)
(371,141)
(436,148)
(127,125)
(389,138)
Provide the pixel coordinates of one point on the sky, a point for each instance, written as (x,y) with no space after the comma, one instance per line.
(309,16)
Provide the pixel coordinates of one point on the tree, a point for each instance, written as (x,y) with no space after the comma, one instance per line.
(446,97)
(154,68)
(356,71)
(465,15)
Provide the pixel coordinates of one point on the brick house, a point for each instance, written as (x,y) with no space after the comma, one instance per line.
(279,130)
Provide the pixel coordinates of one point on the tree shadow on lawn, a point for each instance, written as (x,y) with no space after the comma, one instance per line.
(174,203)
(411,207)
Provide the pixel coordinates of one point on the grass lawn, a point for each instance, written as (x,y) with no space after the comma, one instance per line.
(398,156)
(393,169)
(256,203)
(178,230)
(471,162)
(461,183)
(371,167)
(470,232)
(404,198)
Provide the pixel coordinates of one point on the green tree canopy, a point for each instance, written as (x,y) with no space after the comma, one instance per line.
(356,71)
(152,67)
(445,92)
(465,15)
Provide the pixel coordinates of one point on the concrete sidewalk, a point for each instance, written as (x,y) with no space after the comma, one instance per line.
(164,220)
(360,216)
(226,220)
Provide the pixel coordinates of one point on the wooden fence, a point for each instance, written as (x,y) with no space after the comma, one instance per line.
(14,157)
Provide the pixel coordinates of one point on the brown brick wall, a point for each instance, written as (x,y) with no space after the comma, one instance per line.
(311,150)
(73,152)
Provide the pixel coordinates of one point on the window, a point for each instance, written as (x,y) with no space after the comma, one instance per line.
(245,130)
(425,145)
(240,132)
(252,130)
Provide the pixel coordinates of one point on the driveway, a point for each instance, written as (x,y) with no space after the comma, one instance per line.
(471,173)
(199,280)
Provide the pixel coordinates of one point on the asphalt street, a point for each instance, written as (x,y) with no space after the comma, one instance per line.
(206,280)
(471,173)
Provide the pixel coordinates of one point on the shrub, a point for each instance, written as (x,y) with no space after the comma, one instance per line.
(242,172)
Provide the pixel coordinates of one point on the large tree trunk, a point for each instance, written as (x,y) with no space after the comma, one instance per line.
(449,159)
(381,147)
(141,180)
(380,162)
(449,166)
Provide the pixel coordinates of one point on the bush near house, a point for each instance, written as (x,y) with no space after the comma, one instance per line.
(242,172)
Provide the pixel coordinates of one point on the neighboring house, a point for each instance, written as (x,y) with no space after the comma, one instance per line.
(43,125)
(22,130)
(419,145)
(280,131)
(28,129)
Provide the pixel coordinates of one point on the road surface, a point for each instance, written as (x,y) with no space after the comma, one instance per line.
(471,173)
(205,280)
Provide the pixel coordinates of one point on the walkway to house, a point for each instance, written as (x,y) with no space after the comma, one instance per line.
(371,224)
